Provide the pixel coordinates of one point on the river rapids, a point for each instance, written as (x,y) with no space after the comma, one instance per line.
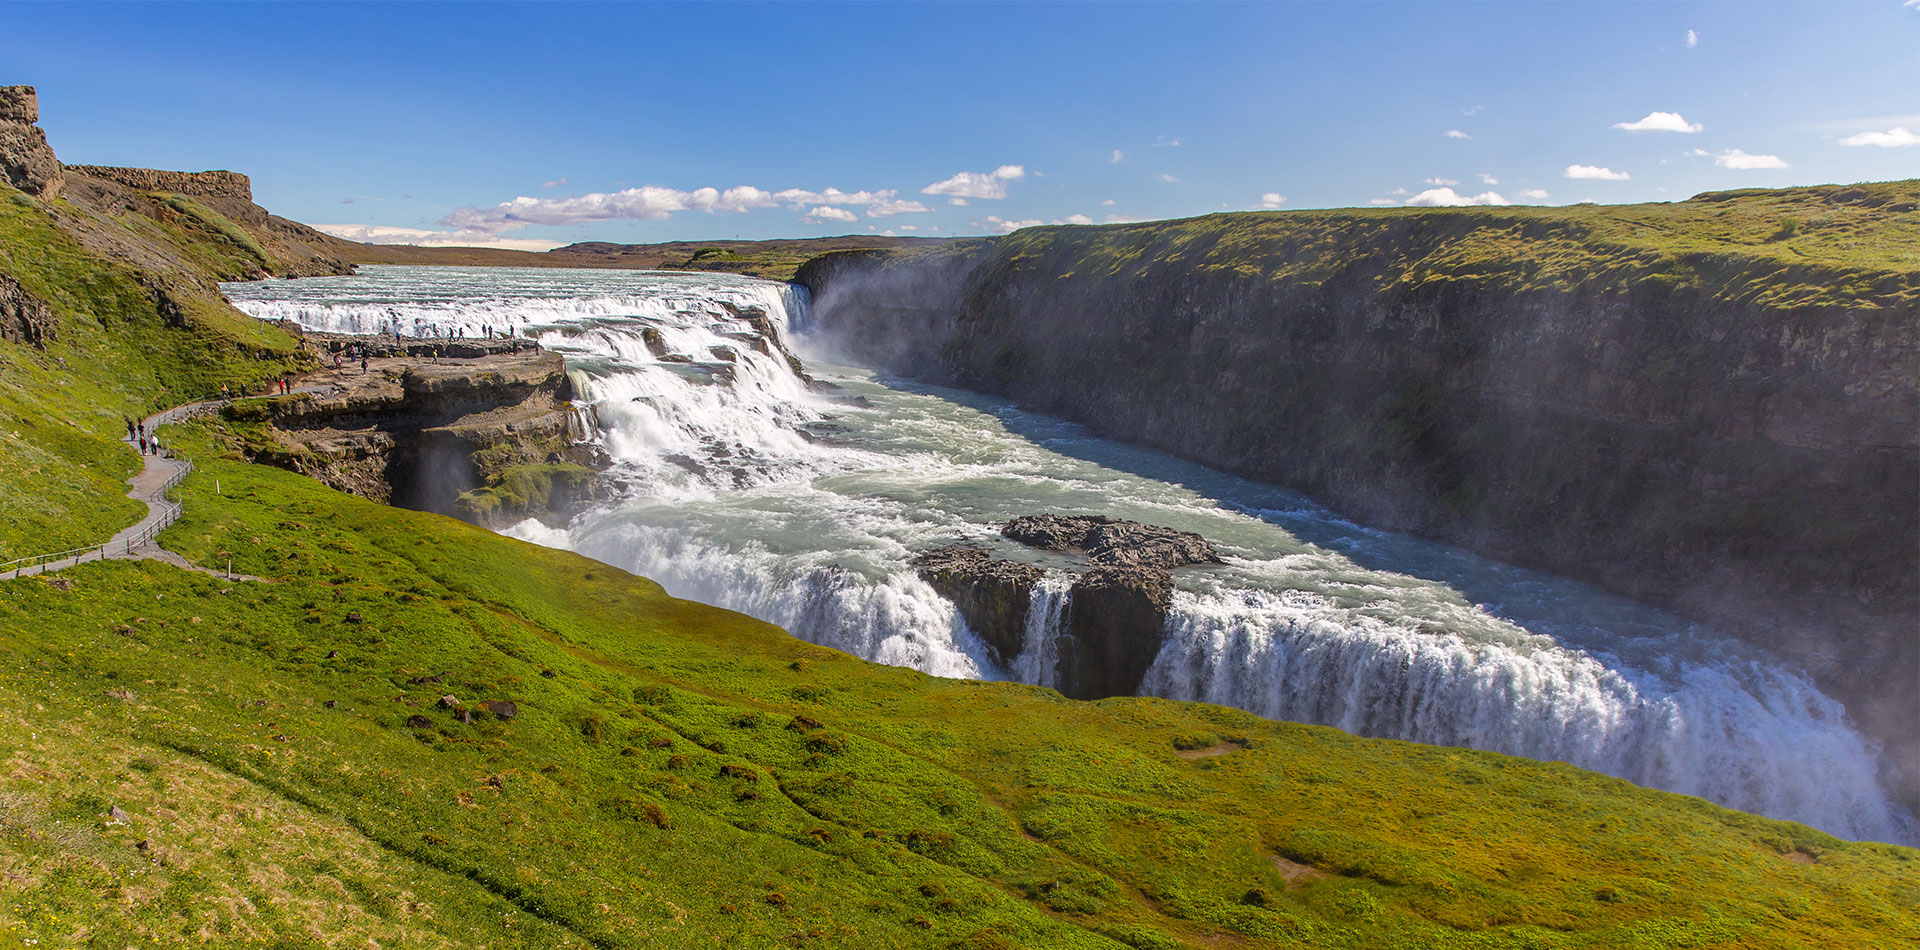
(741,486)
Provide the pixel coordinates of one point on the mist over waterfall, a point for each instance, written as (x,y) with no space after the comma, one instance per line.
(741,484)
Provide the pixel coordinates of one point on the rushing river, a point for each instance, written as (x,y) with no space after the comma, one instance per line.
(742,487)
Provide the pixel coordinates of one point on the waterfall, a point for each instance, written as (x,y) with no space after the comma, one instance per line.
(742,486)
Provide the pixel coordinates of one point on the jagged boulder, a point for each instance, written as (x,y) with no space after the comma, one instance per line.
(1116,609)
(992,594)
(26,160)
(1111,541)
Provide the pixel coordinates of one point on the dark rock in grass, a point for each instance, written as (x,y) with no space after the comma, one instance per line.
(447,702)
(419,722)
(502,708)
(332,653)
(117,817)
(120,695)
(548,673)
(465,716)
(331,704)
(434,678)
(993,595)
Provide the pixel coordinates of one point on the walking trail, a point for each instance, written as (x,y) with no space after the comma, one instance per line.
(157,477)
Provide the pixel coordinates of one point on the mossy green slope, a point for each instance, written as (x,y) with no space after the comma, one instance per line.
(678,775)
(114,356)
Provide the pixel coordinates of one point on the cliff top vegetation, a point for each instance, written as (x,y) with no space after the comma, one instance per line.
(1832,245)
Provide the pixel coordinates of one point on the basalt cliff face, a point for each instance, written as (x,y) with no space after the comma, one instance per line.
(490,438)
(1713,405)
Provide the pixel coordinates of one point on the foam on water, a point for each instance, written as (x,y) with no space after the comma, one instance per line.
(743,488)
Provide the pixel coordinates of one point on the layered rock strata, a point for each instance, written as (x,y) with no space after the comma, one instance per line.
(491,439)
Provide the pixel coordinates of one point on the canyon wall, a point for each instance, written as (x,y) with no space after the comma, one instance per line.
(1668,401)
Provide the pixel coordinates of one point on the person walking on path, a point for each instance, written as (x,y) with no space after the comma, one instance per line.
(143,445)
(129,428)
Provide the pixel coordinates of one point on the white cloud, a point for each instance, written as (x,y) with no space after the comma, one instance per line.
(557,182)
(889,232)
(1896,137)
(1457,134)
(964,185)
(1739,160)
(421,237)
(1534,193)
(1487,179)
(1697,153)
(887,208)
(1076,219)
(1272,199)
(957,202)
(1118,157)
(1473,110)
(646,203)
(1398,191)
(1595,171)
(1693,39)
(1446,198)
(1166,177)
(1121,219)
(1443,182)
(1161,141)
(996,223)
(826,213)
(1108,203)
(1660,122)
(909,227)
(1382,201)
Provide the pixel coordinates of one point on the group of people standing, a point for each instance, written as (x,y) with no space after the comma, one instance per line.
(149,443)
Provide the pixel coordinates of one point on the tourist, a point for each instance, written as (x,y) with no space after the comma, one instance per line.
(143,445)
(363,363)
(129,428)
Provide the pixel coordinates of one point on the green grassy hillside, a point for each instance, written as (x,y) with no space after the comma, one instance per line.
(195,761)
(117,353)
(678,775)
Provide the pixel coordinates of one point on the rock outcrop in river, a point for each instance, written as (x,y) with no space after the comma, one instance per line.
(1705,405)
(1117,610)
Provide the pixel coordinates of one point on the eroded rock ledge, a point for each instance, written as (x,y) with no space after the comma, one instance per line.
(1117,606)
(491,438)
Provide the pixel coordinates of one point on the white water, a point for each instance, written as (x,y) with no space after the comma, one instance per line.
(742,488)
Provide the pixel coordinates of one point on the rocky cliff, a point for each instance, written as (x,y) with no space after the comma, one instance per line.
(1712,405)
(490,438)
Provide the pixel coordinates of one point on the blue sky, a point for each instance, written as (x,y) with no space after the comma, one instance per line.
(536,125)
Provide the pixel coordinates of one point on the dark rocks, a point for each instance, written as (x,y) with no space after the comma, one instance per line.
(1116,611)
(117,817)
(1115,622)
(432,678)
(447,702)
(993,595)
(418,721)
(502,708)
(331,704)
(24,318)
(1112,541)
